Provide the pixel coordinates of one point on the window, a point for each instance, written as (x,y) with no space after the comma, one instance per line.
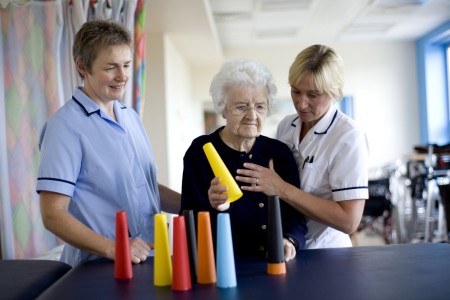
(346,105)
(448,80)
(433,58)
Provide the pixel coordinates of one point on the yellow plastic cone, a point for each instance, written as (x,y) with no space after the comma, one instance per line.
(220,170)
(162,271)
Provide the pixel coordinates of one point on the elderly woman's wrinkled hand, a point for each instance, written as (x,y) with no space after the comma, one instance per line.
(289,250)
(217,195)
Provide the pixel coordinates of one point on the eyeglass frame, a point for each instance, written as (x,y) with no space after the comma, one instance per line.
(242,109)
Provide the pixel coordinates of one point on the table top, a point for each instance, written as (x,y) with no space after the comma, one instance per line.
(406,271)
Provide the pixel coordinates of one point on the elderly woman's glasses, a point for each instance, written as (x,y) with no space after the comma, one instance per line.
(242,109)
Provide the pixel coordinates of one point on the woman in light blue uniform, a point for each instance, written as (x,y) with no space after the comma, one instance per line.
(96,158)
(330,149)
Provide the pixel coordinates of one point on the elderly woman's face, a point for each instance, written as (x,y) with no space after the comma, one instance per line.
(246,110)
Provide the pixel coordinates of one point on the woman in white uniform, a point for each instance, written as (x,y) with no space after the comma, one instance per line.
(330,150)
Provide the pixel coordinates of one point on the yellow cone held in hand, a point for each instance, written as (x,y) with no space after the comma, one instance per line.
(162,272)
(221,171)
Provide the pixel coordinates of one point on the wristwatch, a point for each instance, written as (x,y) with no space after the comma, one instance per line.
(293,241)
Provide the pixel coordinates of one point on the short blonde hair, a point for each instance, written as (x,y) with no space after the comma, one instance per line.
(326,67)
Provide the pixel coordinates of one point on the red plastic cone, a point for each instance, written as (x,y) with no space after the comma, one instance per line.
(181,273)
(122,264)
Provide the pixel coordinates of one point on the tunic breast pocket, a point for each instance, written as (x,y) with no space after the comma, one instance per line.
(133,168)
(137,175)
(314,179)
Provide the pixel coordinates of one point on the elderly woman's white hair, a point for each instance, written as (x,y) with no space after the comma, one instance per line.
(241,72)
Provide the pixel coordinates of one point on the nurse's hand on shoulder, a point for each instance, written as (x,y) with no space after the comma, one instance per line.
(139,250)
(289,250)
(217,196)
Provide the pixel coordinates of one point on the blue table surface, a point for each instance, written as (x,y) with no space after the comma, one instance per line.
(407,271)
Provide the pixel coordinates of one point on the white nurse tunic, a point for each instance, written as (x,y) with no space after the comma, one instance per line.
(332,161)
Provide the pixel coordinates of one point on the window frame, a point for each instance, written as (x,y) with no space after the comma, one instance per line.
(433,85)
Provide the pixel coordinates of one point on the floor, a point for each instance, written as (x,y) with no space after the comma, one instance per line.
(367,237)
(370,232)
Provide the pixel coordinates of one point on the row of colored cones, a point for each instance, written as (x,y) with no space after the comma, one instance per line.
(193,259)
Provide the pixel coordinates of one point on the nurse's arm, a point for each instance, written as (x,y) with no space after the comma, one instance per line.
(56,219)
(170,199)
(344,215)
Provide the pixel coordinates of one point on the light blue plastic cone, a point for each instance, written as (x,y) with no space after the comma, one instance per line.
(226,271)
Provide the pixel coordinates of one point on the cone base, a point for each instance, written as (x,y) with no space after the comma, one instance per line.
(212,280)
(123,278)
(162,284)
(181,288)
(276,269)
(226,285)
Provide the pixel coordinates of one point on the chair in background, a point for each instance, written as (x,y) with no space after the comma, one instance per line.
(444,190)
(378,210)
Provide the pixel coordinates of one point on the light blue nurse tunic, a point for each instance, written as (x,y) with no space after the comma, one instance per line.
(103,165)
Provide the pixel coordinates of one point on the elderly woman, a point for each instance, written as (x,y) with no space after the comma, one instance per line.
(243,93)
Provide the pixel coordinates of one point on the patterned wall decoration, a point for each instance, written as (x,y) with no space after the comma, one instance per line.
(139,57)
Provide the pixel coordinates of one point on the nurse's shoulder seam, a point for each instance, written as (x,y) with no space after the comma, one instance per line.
(349,122)
(285,126)
(288,121)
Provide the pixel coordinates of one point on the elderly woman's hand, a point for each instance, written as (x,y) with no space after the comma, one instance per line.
(217,196)
(289,250)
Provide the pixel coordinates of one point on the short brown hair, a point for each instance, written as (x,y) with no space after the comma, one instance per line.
(95,36)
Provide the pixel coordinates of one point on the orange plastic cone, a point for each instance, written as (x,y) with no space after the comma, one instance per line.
(181,280)
(206,266)
(122,263)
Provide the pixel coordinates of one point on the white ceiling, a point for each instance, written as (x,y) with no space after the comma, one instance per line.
(204,29)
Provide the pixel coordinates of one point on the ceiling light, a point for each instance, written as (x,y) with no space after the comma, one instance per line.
(284,5)
(231,16)
(275,33)
(398,3)
(369,28)
(396,6)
